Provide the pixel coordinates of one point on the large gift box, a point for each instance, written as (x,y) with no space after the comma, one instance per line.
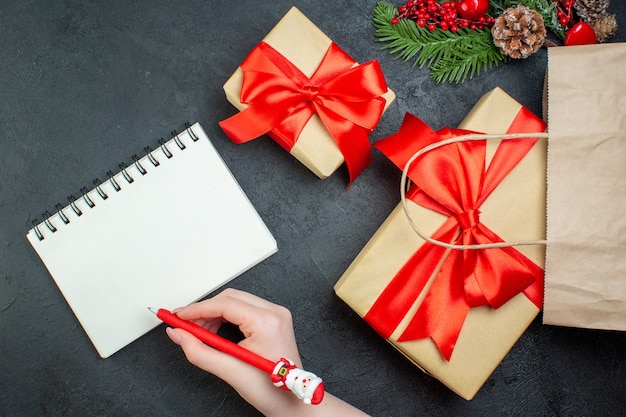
(306,93)
(456,313)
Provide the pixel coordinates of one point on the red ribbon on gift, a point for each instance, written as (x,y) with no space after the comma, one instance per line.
(452,180)
(282,99)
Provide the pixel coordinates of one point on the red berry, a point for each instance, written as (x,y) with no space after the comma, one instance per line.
(445,14)
(472,9)
(580,34)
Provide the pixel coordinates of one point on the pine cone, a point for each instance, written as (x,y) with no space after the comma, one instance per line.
(519,32)
(605,27)
(590,10)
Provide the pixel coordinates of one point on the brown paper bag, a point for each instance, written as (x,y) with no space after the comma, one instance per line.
(585,268)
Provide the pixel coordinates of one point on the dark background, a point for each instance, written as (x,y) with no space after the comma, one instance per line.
(86,84)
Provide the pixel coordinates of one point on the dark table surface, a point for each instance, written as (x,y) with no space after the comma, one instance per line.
(85,84)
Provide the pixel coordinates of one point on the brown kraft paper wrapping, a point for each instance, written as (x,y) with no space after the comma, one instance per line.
(515,211)
(304,44)
(585,284)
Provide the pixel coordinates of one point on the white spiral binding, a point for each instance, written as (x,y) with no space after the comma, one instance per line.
(98,194)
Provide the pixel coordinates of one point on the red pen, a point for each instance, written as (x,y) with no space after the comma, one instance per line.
(284,374)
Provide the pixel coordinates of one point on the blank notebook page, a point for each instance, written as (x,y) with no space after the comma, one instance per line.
(170,231)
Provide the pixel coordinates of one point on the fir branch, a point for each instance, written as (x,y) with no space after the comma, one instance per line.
(456,67)
(451,57)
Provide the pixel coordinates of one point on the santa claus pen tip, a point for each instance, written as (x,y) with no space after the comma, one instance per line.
(154,310)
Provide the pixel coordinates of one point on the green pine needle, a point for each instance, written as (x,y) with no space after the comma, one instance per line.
(451,57)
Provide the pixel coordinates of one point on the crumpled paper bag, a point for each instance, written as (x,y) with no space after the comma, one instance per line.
(585,267)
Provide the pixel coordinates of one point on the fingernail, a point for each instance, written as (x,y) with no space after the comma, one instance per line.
(173,335)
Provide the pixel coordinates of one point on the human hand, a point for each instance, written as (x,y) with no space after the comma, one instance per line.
(268,332)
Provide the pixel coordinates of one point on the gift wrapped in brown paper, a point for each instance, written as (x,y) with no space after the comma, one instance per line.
(456,313)
(301,89)
(586,197)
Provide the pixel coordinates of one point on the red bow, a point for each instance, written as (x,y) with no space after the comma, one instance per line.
(452,180)
(347,99)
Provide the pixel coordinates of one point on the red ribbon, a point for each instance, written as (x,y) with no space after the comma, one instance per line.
(281,99)
(452,180)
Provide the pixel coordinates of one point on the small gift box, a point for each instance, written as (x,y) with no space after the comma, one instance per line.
(301,89)
(456,313)
(586,198)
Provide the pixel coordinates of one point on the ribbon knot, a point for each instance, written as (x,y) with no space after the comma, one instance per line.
(310,92)
(468,219)
(281,100)
(459,280)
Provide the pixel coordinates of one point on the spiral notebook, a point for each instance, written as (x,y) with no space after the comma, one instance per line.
(164,231)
